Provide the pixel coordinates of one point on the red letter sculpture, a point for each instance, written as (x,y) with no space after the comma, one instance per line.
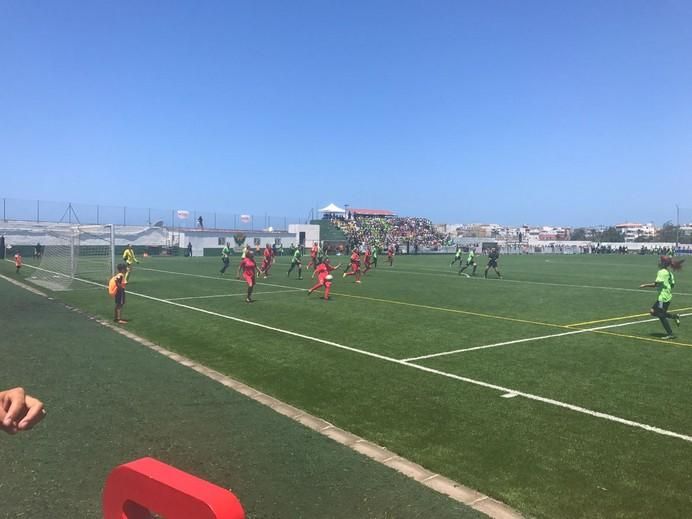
(135,489)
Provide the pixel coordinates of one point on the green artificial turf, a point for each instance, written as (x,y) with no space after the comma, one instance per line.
(111,401)
(545,460)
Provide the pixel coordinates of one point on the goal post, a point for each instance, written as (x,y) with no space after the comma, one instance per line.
(75,252)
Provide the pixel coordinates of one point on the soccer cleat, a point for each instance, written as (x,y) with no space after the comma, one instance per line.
(343,275)
(357,280)
(677,320)
(669,337)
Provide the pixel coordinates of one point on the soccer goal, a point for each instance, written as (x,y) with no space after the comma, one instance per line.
(75,252)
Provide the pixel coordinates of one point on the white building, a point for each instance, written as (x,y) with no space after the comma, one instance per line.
(632,231)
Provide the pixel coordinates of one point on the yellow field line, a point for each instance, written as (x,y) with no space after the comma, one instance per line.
(620,318)
(452,310)
(639,338)
(477,314)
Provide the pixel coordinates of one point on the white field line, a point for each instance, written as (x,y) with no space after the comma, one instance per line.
(501,389)
(440,309)
(385,358)
(531,339)
(202,276)
(505,280)
(378,300)
(237,295)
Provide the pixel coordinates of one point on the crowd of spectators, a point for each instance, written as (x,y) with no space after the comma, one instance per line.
(394,231)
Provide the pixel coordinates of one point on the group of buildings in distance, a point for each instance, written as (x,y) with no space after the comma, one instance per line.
(626,232)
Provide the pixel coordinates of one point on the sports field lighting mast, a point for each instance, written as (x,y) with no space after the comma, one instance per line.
(677,226)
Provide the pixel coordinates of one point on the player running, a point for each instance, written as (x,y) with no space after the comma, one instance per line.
(225,257)
(324,277)
(390,255)
(366,261)
(296,261)
(313,256)
(493,257)
(355,265)
(267,261)
(375,250)
(470,260)
(457,257)
(665,282)
(130,260)
(249,270)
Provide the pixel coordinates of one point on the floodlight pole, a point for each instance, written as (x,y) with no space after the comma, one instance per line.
(677,228)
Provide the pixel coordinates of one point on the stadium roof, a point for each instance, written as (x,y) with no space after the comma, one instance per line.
(372,212)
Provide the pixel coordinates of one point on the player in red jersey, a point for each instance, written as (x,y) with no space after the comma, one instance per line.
(368,264)
(355,265)
(249,269)
(267,261)
(390,255)
(313,256)
(324,276)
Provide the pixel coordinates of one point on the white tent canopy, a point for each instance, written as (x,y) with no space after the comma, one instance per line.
(331,208)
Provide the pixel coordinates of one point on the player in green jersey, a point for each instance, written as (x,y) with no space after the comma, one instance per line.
(470,260)
(225,257)
(457,256)
(296,261)
(665,281)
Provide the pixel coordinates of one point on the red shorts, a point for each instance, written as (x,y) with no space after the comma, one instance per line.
(322,278)
(355,267)
(249,279)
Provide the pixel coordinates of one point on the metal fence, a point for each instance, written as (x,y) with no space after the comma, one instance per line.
(88,214)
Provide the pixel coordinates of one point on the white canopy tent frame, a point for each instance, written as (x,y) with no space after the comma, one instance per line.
(332,209)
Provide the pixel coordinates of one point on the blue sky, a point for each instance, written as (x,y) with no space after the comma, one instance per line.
(538,112)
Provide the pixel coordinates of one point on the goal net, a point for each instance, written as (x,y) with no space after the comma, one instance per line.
(85,253)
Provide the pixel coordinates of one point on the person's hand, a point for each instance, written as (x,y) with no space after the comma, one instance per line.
(19,411)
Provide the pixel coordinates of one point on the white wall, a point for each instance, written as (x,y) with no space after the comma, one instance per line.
(209,239)
(312,232)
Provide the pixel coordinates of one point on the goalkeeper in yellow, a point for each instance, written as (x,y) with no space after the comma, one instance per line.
(129,257)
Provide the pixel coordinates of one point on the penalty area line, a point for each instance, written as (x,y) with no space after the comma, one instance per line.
(622,317)
(598,329)
(237,295)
